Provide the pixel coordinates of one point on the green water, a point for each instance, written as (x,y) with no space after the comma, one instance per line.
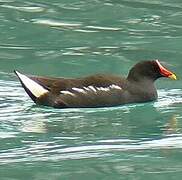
(76,38)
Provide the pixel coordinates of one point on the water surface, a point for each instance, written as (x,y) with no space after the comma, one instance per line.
(77,38)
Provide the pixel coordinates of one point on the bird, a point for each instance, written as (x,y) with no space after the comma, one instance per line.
(98,90)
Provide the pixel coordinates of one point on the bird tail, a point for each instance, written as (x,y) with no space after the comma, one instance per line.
(33,88)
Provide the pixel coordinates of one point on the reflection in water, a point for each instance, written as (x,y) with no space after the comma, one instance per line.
(36,126)
(172,126)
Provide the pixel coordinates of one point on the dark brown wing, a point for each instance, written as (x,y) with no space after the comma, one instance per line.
(60,84)
(56,84)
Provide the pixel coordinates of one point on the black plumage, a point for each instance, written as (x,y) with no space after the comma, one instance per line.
(100,90)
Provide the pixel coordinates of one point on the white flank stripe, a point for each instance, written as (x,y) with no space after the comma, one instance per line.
(115,86)
(92,88)
(36,89)
(86,88)
(67,93)
(79,90)
(103,88)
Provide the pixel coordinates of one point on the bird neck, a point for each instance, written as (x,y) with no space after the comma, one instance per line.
(143,90)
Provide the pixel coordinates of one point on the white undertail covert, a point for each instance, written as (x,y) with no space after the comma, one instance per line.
(36,89)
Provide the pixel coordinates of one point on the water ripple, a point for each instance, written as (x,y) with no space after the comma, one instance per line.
(48,151)
(32,9)
(129,141)
(54,23)
(169,98)
(68,128)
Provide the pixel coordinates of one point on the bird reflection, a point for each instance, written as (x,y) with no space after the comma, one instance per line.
(172,125)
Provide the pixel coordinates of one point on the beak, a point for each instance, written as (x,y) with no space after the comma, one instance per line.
(165,72)
(172,76)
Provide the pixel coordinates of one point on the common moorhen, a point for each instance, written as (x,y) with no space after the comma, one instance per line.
(100,90)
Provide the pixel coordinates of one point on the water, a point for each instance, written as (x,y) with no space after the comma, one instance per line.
(77,38)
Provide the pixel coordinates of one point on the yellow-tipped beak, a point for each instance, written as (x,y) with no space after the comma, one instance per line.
(173,76)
